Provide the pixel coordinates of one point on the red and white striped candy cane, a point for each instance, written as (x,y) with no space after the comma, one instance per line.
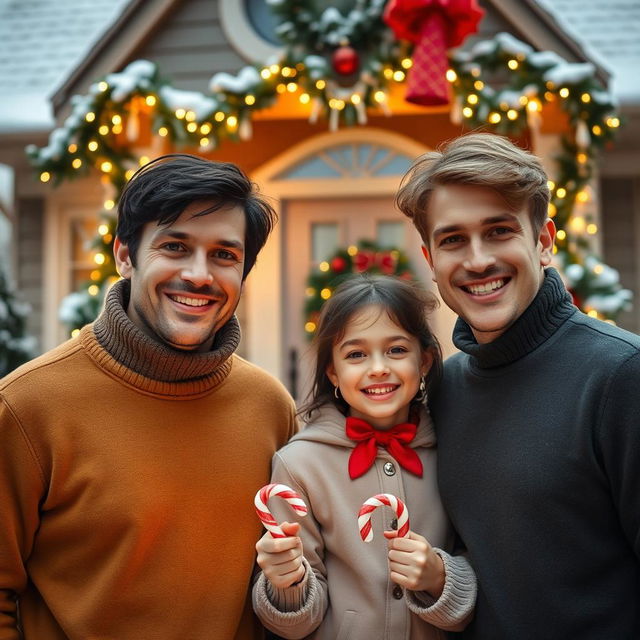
(370,505)
(284,492)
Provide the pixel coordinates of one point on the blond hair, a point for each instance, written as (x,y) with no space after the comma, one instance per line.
(477,159)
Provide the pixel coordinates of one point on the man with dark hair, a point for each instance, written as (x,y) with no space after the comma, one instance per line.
(537,416)
(130,455)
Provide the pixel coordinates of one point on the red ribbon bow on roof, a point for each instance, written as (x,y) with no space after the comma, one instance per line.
(433,26)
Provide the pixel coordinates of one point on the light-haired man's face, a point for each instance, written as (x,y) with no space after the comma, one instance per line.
(486,259)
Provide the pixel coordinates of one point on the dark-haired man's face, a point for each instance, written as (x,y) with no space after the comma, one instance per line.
(188,278)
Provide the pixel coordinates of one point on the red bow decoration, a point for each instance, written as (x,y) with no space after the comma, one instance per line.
(365,260)
(394,440)
(433,26)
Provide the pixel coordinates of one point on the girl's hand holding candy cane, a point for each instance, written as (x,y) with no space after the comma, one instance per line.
(280,550)
(413,564)
(281,558)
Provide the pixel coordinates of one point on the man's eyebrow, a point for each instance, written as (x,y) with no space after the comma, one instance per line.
(232,244)
(181,235)
(172,233)
(452,228)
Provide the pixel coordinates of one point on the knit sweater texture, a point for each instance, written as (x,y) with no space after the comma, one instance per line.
(127,476)
(539,469)
(347,593)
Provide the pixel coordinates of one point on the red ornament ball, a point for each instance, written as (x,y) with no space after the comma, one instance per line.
(338,264)
(345,61)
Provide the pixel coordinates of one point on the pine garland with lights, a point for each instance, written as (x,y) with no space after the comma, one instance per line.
(106,124)
(365,257)
(343,63)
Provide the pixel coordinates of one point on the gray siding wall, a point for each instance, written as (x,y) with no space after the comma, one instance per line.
(190,46)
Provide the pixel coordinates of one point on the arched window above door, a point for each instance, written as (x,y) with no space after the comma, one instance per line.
(350,160)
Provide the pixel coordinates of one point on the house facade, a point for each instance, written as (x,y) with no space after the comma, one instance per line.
(332,187)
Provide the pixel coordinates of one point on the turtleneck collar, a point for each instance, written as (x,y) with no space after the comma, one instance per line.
(549,309)
(125,351)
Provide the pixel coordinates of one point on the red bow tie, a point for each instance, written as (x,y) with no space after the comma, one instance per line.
(394,440)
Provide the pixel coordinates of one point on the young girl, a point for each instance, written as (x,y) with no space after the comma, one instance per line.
(374,354)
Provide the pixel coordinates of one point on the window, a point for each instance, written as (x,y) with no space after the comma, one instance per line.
(390,235)
(324,241)
(250,26)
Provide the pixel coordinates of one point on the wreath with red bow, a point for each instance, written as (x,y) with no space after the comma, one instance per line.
(365,257)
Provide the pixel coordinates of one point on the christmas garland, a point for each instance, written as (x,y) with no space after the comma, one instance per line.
(365,257)
(343,62)
(123,108)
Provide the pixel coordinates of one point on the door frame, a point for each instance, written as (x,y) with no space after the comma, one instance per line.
(264,286)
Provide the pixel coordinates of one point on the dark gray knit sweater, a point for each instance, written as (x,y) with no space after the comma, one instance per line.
(539,468)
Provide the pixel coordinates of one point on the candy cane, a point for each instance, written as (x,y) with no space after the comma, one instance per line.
(369,506)
(284,492)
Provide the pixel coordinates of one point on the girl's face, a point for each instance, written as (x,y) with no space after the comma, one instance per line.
(377,366)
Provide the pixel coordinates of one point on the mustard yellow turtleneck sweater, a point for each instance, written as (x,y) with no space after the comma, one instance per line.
(127,477)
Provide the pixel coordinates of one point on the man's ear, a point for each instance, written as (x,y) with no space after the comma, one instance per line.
(426,254)
(122,258)
(427,257)
(546,241)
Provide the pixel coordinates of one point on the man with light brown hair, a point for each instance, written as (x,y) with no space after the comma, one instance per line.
(537,416)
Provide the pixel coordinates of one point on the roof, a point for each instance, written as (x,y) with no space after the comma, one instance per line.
(41,42)
(609,33)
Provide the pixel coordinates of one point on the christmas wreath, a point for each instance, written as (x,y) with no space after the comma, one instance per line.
(365,257)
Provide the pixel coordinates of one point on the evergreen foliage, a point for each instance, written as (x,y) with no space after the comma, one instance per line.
(16,347)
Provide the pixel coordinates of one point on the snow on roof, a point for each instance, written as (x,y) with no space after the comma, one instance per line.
(609,32)
(41,42)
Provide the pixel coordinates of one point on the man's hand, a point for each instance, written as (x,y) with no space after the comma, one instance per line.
(413,564)
(281,558)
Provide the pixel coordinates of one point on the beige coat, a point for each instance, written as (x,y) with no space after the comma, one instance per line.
(347,592)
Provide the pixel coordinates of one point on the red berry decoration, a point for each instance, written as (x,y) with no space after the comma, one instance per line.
(338,264)
(364,257)
(345,61)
